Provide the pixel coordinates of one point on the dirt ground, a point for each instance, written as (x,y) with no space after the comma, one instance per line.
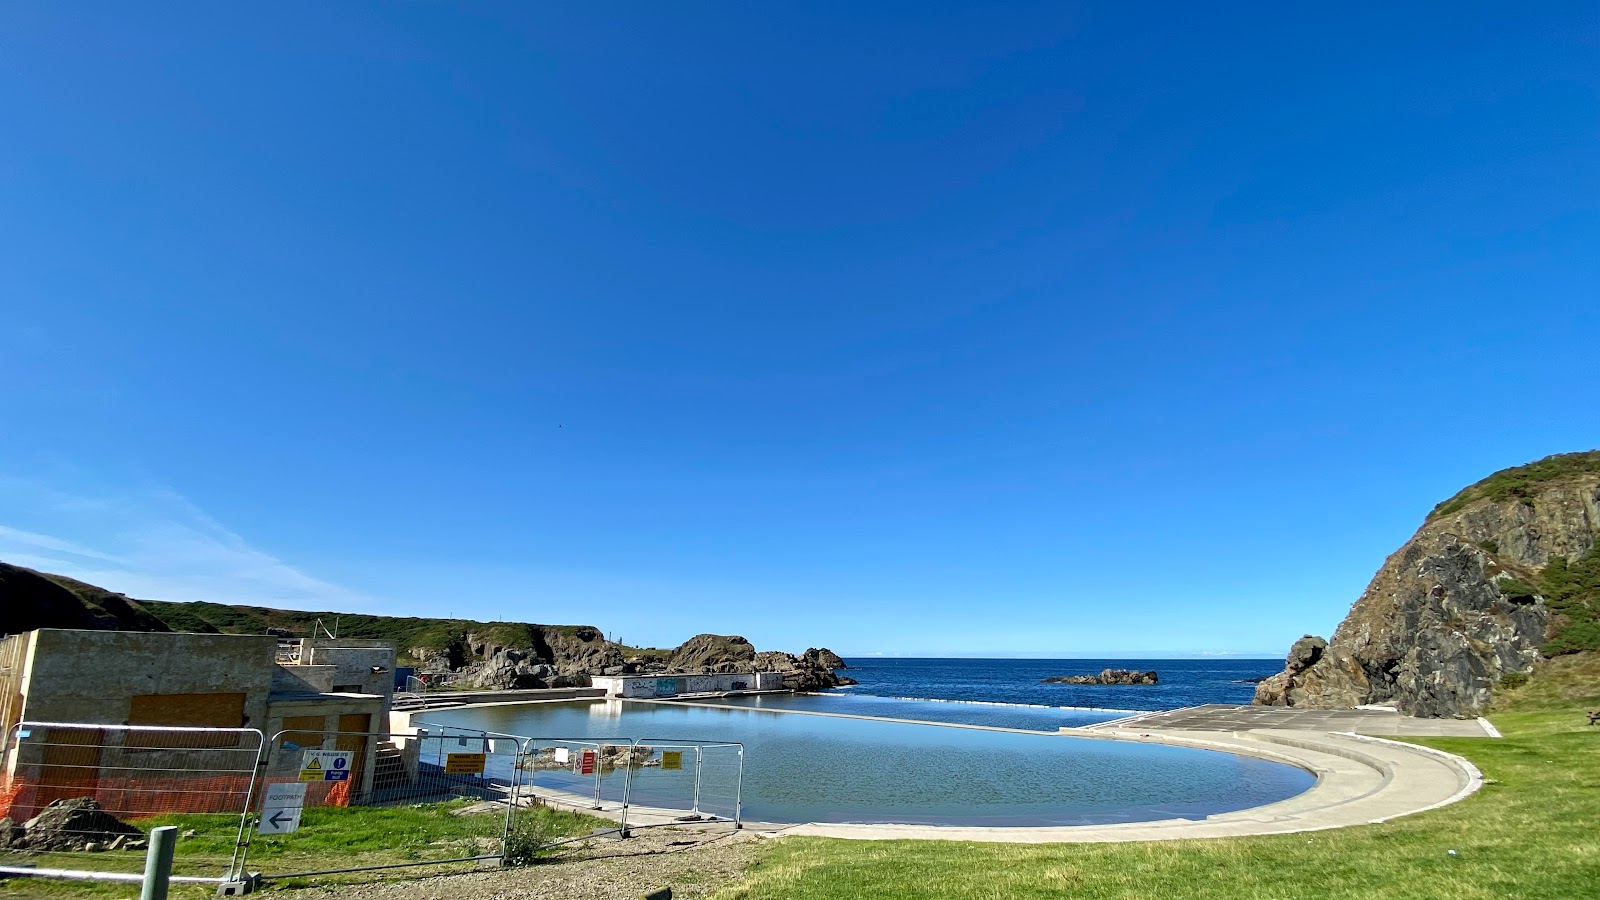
(692,863)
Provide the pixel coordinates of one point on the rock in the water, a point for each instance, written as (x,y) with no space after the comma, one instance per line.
(1450,612)
(827,658)
(73,824)
(810,671)
(1107,676)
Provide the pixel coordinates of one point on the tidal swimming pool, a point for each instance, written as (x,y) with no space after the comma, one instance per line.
(821,768)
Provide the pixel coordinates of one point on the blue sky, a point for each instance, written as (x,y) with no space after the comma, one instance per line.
(1039,329)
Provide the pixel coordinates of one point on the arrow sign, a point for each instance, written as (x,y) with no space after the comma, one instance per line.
(280,809)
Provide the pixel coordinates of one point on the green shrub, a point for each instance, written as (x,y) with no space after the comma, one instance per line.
(529,840)
(1516,589)
(1513,680)
(1522,482)
(1572,591)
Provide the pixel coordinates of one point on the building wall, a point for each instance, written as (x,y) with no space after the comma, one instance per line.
(647,687)
(367,667)
(93,676)
(14,651)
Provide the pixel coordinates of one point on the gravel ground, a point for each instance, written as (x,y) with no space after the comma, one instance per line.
(692,863)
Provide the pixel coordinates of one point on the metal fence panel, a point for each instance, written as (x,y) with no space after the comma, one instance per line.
(83,797)
(435,795)
(687,781)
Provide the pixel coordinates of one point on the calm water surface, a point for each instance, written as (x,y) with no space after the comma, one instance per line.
(811,768)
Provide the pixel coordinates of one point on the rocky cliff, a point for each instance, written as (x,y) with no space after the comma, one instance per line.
(1499,574)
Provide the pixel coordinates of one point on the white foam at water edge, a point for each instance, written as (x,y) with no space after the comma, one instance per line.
(1025,705)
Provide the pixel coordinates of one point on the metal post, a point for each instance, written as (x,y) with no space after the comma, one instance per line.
(627,790)
(597,804)
(511,798)
(738,793)
(241,845)
(697,761)
(158,862)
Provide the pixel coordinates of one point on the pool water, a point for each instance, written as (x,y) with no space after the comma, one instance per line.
(822,768)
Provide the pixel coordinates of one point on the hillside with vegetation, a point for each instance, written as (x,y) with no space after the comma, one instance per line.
(1500,576)
(462,652)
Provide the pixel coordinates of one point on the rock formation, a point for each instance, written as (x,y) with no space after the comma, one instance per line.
(812,670)
(708,654)
(1455,608)
(1107,676)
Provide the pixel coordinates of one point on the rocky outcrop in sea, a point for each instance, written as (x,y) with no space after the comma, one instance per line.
(1107,676)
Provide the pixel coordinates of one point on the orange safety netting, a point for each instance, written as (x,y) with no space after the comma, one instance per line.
(130,797)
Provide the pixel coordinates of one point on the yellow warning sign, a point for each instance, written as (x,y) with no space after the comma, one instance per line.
(463,763)
(672,759)
(312,771)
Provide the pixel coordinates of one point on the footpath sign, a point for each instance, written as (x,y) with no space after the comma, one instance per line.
(326,765)
(464,763)
(280,811)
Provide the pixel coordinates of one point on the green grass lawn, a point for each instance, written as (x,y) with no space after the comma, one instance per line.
(1533,831)
(329,838)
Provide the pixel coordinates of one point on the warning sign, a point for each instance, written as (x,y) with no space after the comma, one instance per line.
(672,759)
(586,763)
(463,763)
(326,765)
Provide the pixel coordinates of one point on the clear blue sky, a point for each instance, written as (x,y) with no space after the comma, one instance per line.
(904,328)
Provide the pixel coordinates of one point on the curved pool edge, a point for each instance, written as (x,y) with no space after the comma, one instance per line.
(1361,780)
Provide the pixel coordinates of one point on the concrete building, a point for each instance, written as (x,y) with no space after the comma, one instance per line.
(306,690)
(660,687)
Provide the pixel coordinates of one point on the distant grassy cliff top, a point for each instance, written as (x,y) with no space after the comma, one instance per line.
(30,599)
(1522,481)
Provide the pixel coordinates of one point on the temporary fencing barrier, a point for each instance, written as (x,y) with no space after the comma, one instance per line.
(80,797)
(436,795)
(686,781)
(309,779)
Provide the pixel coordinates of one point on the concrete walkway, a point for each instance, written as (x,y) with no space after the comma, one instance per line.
(1369,720)
(1360,780)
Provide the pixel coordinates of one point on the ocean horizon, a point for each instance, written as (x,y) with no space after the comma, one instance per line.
(1009,693)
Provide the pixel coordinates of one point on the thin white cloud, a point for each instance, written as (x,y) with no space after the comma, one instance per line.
(153,544)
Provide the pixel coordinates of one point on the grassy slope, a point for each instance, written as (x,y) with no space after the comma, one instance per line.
(1522,481)
(1531,833)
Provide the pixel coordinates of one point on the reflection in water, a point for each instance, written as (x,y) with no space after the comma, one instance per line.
(814,768)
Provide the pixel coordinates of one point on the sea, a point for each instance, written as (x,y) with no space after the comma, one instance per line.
(1010,693)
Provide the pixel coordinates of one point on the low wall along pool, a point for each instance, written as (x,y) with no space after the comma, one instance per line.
(824,768)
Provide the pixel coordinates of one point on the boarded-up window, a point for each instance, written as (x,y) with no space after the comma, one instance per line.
(302,731)
(188,710)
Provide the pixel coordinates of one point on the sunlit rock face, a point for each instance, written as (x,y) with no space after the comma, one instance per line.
(1449,613)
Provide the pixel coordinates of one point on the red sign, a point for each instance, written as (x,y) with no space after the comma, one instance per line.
(586,763)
